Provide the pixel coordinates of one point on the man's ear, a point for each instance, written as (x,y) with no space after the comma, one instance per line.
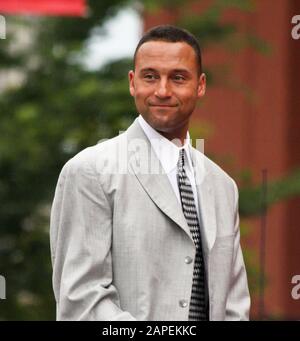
(202,85)
(131,82)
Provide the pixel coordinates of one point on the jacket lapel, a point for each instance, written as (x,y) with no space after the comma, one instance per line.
(148,170)
(205,198)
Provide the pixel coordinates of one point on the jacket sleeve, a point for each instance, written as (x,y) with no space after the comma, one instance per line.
(80,240)
(238,302)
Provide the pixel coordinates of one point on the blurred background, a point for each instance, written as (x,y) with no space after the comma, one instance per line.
(63,87)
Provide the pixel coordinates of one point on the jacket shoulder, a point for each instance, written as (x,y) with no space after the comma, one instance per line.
(96,157)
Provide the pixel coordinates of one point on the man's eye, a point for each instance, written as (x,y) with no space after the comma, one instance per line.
(149,77)
(179,78)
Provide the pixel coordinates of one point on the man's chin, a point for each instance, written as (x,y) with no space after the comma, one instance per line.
(162,117)
(161,121)
(161,124)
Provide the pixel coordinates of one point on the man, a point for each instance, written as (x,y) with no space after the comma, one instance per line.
(144,226)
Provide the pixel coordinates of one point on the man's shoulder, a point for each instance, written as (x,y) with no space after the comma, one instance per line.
(95,157)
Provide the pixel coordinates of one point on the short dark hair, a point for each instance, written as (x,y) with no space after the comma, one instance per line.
(173,34)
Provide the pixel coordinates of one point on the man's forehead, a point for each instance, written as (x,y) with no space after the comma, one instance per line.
(177,55)
(163,69)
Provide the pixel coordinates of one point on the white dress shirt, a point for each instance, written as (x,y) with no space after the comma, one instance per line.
(168,155)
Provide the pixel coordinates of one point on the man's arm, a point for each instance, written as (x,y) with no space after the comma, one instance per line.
(81,238)
(238,302)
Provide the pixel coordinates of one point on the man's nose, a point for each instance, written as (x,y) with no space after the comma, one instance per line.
(163,89)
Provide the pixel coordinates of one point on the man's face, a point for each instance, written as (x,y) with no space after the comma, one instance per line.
(166,84)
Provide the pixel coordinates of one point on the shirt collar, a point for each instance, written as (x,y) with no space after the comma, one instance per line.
(166,150)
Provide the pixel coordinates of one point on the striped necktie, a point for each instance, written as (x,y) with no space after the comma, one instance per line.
(198,308)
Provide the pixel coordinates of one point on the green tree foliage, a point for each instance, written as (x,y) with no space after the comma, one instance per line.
(57,109)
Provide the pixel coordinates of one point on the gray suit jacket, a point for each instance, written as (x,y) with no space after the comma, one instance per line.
(119,239)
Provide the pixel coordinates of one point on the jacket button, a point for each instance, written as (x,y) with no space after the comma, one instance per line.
(188,260)
(183,303)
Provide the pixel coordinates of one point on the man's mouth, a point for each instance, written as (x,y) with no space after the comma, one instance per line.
(163,105)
